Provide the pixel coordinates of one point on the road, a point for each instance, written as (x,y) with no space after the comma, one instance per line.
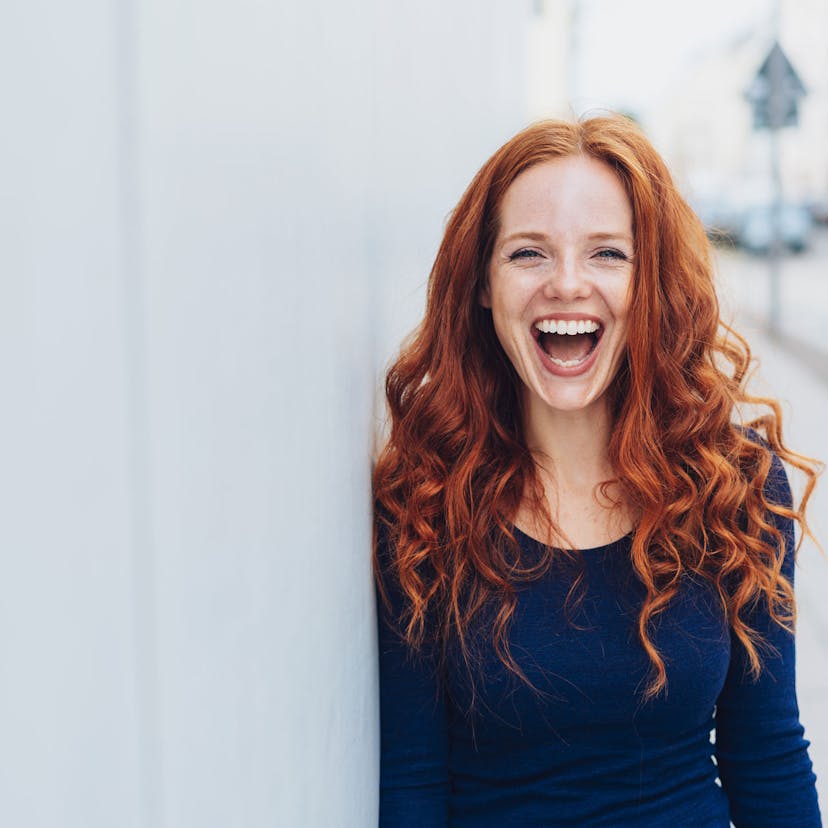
(795,372)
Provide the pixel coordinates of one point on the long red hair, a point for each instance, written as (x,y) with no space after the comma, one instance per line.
(455,468)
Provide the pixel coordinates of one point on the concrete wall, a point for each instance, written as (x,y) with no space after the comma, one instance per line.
(218,221)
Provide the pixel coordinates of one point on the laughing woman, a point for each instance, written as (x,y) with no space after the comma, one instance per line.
(584,559)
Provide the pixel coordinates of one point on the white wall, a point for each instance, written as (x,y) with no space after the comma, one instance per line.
(68,695)
(218,219)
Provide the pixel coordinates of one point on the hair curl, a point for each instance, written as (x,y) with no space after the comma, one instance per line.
(455,468)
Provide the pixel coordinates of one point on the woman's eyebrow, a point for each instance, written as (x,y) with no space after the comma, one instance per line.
(610,237)
(532,235)
(536,235)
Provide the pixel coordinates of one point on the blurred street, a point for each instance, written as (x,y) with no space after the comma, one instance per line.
(804,289)
(794,370)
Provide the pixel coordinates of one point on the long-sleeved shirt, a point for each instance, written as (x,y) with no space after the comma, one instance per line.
(582,748)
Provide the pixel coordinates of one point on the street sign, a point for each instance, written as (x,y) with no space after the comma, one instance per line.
(775,92)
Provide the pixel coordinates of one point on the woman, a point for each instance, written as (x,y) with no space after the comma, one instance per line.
(584,559)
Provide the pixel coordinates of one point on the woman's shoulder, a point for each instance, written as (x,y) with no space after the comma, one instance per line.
(777,488)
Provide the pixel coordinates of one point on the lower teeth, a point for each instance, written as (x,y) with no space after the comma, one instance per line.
(567,363)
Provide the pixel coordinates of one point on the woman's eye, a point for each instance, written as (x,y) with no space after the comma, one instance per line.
(524,254)
(610,253)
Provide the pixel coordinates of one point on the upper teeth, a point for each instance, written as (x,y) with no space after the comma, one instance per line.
(571,326)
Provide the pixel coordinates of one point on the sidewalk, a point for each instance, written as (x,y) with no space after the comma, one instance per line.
(804,394)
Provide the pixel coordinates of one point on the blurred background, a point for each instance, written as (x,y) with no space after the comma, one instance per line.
(217,224)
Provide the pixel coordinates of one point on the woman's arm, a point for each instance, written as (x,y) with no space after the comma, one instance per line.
(760,746)
(414,780)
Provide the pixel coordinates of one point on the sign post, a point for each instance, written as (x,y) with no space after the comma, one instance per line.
(774,93)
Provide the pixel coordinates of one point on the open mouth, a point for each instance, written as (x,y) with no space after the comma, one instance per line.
(568,342)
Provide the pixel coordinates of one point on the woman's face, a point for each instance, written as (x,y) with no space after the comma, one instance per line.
(559,281)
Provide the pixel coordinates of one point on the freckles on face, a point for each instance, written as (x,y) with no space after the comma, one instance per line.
(559,280)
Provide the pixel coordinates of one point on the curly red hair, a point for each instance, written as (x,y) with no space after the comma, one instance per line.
(455,468)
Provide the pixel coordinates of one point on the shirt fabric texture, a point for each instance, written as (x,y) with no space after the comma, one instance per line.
(583,748)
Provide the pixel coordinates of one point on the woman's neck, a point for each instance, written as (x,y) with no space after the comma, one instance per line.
(571,446)
(572,456)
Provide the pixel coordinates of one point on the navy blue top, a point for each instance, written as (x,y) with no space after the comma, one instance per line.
(586,750)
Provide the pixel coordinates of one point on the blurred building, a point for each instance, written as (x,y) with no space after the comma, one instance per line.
(704,125)
(551,65)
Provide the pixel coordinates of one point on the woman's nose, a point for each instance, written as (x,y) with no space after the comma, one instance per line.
(567,280)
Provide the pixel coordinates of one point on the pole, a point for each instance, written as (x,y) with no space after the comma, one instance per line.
(776,116)
(775,252)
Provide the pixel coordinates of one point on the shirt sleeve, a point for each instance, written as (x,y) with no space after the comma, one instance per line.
(761,751)
(414,777)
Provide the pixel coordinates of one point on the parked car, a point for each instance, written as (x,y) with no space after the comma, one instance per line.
(720,219)
(756,229)
(819,209)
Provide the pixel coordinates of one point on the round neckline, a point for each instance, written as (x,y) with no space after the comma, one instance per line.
(589,550)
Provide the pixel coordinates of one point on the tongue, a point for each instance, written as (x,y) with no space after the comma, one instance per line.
(566,348)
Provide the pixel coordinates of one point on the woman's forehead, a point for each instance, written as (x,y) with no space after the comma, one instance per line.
(569,192)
